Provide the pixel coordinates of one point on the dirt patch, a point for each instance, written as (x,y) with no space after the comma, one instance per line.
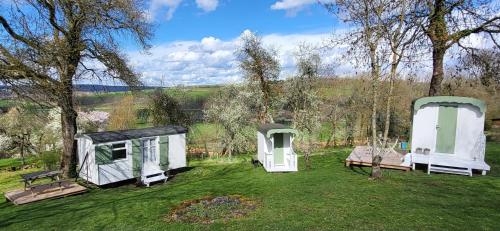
(212,209)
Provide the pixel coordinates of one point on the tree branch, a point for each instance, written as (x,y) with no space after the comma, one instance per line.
(52,16)
(15,35)
(455,37)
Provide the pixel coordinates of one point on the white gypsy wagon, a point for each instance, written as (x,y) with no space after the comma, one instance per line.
(447,135)
(145,154)
(275,150)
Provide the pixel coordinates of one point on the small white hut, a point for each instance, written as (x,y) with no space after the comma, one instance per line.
(275,151)
(145,154)
(447,135)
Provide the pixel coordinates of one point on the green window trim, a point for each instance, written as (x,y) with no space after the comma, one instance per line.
(136,157)
(164,145)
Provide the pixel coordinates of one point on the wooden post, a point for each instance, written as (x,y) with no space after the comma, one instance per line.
(22,149)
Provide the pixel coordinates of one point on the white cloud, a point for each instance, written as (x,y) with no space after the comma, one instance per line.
(294,6)
(207,5)
(155,6)
(291,4)
(212,60)
(165,9)
(210,43)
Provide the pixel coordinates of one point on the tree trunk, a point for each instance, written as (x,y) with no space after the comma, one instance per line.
(334,130)
(22,151)
(437,71)
(376,171)
(376,159)
(438,34)
(392,78)
(68,114)
(307,152)
(265,117)
(68,120)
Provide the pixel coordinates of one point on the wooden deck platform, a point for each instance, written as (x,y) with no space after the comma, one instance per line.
(361,155)
(42,192)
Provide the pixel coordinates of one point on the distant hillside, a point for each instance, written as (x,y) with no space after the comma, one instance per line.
(95,88)
(104,88)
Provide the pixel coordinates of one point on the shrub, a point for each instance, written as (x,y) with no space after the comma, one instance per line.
(49,160)
(123,115)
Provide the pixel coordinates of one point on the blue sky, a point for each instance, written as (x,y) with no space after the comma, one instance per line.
(195,40)
(231,17)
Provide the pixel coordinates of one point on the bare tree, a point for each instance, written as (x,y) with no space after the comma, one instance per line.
(337,110)
(303,99)
(123,115)
(449,22)
(365,41)
(49,44)
(260,67)
(484,65)
(166,109)
(229,109)
(402,34)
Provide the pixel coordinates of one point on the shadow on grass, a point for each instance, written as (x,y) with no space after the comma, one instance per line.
(360,170)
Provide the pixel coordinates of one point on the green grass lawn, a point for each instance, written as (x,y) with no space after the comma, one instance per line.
(328,196)
(6,164)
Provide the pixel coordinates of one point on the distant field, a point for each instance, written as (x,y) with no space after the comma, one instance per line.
(4,103)
(105,101)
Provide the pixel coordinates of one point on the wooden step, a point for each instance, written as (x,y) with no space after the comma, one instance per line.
(153,178)
(450,170)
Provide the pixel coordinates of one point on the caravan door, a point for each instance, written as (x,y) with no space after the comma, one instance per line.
(150,157)
(279,150)
(446,129)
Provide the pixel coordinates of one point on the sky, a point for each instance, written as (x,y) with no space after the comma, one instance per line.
(195,41)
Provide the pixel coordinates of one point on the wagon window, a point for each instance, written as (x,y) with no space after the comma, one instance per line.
(119,151)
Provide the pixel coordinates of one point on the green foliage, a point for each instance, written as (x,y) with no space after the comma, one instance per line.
(143,115)
(166,110)
(303,98)
(49,160)
(260,67)
(302,94)
(23,128)
(229,110)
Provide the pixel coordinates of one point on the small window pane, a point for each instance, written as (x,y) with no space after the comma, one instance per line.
(119,154)
(119,145)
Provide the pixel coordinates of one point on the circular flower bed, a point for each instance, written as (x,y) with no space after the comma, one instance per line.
(211,209)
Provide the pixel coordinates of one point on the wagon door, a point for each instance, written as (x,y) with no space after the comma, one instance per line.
(279,152)
(446,129)
(150,157)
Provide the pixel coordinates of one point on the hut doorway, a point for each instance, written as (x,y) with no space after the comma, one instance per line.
(279,152)
(446,129)
(151,160)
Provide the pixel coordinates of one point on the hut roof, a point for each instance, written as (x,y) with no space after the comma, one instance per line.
(111,136)
(269,129)
(419,103)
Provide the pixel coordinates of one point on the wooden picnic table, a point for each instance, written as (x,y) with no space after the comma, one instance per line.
(29,178)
